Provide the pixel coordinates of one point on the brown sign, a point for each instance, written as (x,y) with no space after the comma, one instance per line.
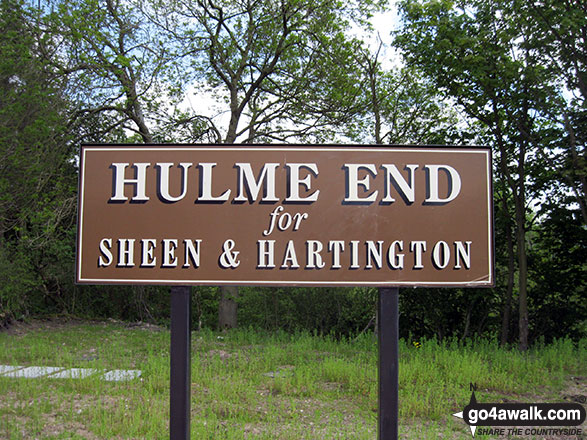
(285,215)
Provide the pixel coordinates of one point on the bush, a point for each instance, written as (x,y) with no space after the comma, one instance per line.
(326,310)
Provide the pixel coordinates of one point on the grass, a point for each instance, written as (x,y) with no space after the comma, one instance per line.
(248,384)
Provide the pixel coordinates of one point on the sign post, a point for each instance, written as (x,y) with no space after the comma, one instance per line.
(285,215)
(388,331)
(180,360)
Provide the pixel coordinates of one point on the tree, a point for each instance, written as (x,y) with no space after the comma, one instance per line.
(559,269)
(37,175)
(108,50)
(401,106)
(472,51)
(113,66)
(283,69)
(556,31)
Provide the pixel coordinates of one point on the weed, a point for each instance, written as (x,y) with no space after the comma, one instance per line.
(251,384)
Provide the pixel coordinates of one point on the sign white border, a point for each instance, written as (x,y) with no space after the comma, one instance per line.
(321,148)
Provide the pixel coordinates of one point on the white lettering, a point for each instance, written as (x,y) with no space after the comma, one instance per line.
(169,258)
(148,245)
(284,221)
(336,247)
(246,177)
(266,255)
(354,254)
(353,182)
(418,247)
(463,254)
(314,259)
(164,181)
(374,254)
(140,182)
(295,182)
(396,261)
(454,183)
(206,185)
(105,246)
(126,252)
(192,253)
(441,255)
(407,190)
(290,257)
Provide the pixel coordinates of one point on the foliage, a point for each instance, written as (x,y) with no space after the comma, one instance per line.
(323,310)
(506,74)
(444,314)
(113,63)
(559,270)
(37,175)
(402,106)
(282,71)
(484,55)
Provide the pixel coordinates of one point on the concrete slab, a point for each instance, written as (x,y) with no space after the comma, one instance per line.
(74,373)
(121,375)
(279,373)
(8,368)
(33,372)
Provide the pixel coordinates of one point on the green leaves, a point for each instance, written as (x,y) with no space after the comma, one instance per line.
(37,175)
(502,62)
(287,68)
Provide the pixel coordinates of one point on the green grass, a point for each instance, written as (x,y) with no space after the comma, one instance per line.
(325,389)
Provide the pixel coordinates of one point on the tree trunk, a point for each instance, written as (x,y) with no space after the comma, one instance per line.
(507,305)
(520,206)
(519,194)
(522,279)
(227,309)
(467,321)
(580,193)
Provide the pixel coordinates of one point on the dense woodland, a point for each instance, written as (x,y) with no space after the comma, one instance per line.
(509,74)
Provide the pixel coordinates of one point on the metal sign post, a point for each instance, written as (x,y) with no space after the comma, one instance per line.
(180,384)
(388,330)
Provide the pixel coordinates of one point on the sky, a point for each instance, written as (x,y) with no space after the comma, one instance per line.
(384,23)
